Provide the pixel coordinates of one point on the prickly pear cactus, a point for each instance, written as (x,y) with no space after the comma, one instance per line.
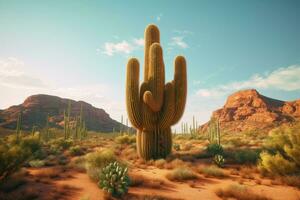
(114,179)
(153,106)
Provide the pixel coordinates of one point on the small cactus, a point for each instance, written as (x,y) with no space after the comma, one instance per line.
(176,147)
(219,160)
(114,179)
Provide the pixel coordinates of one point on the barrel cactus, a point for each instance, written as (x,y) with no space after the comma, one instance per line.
(114,179)
(153,107)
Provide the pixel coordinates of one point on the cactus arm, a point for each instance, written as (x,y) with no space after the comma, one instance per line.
(148,116)
(132,93)
(168,108)
(180,86)
(156,79)
(151,36)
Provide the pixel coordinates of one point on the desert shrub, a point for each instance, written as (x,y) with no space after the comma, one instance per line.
(214,149)
(283,155)
(97,160)
(114,179)
(239,192)
(125,139)
(12,157)
(76,150)
(31,143)
(213,171)
(219,160)
(176,147)
(181,174)
(62,143)
(276,164)
(246,156)
(37,163)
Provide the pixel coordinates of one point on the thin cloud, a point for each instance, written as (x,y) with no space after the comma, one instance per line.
(285,79)
(179,42)
(123,47)
(13,76)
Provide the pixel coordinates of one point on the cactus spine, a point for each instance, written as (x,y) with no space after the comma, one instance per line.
(153,107)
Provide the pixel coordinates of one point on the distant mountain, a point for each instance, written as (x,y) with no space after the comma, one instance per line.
(36,108)
(249,110)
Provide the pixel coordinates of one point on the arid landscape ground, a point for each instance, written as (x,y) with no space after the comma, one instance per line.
(63,174)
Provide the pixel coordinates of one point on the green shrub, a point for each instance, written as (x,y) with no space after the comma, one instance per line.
(37,163)
(276,164)
(31,143)
(62,143)
(76,150)
(114,179)
(125,139)
(95,161)
(180,174)
(219,160)
(214,149)
(11,159)
(246,156)
(283,155)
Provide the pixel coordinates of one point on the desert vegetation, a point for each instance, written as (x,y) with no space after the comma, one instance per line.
(153,163)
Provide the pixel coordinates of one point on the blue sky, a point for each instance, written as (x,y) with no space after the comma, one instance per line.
(79,49)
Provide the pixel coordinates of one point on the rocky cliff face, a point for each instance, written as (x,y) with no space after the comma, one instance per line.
(35,109)
(248,110)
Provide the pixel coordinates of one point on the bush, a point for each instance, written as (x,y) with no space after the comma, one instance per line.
(214,149)
(213,171)
(37,163)
(63,144)
(276,164)
(76,150)
(125,139)
(284,151)
(181,174)
(97,160)
(246,157)
(239,192)
(12,157)
(114,179)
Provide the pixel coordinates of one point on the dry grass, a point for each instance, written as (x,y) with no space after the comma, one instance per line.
(213,171)
(181,174)
(239,192)
(139,180)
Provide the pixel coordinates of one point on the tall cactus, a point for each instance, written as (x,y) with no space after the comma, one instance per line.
(153,107)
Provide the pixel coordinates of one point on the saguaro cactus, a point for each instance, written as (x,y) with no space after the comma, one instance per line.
(153,107)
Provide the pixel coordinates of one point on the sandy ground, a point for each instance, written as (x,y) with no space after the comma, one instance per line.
(202,188)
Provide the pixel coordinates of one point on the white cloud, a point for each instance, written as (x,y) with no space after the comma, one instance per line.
(286,79)
(178,41)
(123,47)
(12,75)
(139,41)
